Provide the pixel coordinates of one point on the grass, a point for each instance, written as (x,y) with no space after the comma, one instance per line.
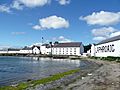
(109,58)
(25,85)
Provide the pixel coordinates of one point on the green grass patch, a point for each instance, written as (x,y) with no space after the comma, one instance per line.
(109,58)
(23,86)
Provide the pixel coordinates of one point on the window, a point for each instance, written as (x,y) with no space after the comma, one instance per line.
(70,49)
(74,50)
(59,49)
(66,49)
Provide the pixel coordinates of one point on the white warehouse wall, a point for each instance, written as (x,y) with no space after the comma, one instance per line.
(66,51)
(108,49)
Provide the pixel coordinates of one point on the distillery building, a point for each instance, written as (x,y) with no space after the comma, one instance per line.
(108,47)
(71,48)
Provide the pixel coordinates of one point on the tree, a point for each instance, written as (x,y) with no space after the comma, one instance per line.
(87,47)
(56,42)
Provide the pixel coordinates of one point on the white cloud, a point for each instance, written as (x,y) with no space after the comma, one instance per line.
(20,4)
(17,5)
(38,44)
(62,39)
(4,8)
(102,18)
(36,27)
(115,34)
(99,38)
(52,22)
(63,2)
(32,3)
(104,33)
(18,33)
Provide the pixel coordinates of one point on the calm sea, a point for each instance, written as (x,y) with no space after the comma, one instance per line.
(18,69)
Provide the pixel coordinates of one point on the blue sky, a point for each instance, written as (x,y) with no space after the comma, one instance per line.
(24,22)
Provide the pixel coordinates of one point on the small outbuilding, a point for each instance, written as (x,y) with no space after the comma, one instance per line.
(36,49)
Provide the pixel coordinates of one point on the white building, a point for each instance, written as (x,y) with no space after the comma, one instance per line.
(108,47)
(13,51)
(3,51)
(36,49)
(72,48)
(45,49)
(26,50)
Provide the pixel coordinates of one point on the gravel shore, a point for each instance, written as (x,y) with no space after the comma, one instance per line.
(106,77)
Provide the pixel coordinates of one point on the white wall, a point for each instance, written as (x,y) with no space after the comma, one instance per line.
(43,49)
(13,52)
(81,49)
(36,50)
(2,52)
(103,51)
(25,51)
(48,51)
(93,50)
(66,51)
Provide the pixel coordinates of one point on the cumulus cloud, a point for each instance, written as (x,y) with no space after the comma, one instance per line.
(102,18)
(37,27)
(52,22)
(18,33)
(62,39)
(115,34)
(99,38)
(104,33)
(19,4)
(63,2)
(38,44)
(4,8)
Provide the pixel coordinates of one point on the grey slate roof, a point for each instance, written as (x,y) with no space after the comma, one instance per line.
(110,40)
(27,48)
(13,49)
(70,44)
(36,46)
(46,45)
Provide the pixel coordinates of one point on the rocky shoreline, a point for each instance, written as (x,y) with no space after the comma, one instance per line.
(106,77)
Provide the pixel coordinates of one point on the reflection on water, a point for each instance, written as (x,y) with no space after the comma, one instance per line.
(17,69)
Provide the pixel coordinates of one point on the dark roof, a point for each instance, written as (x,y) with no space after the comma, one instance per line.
(13,49)
(70,44)
(47,45)
(27,48)
(110,40)
(36,46)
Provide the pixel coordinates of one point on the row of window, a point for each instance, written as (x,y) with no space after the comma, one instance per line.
(65,53)
(64,49)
